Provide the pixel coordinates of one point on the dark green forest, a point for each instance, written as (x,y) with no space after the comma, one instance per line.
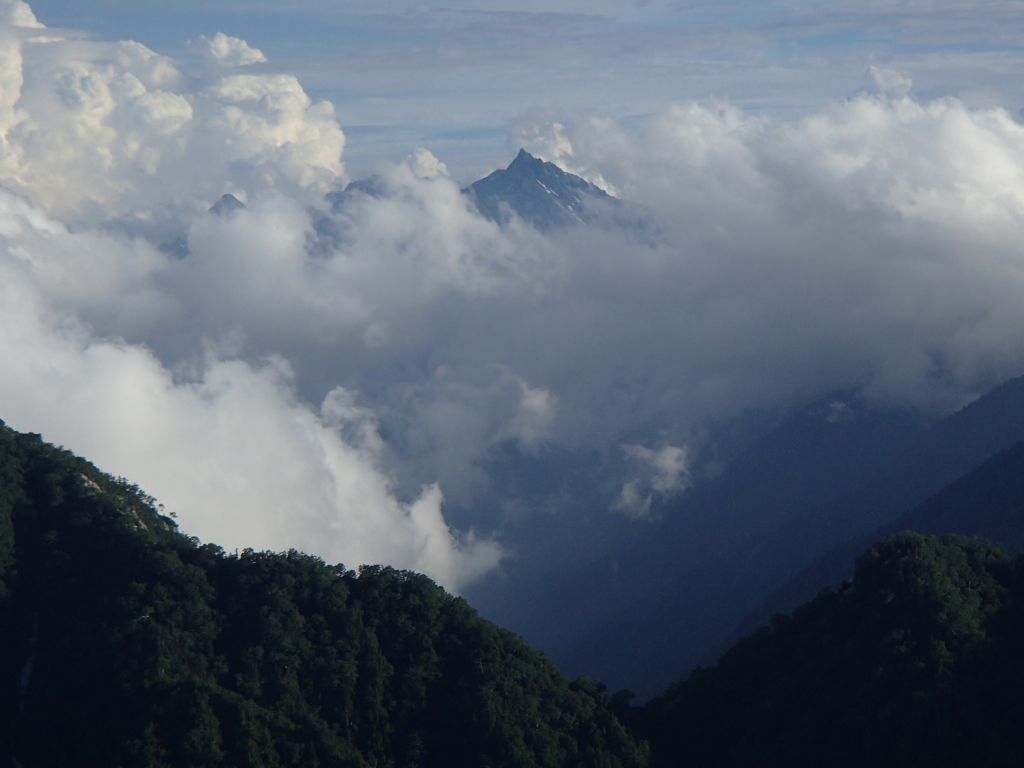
(918,660)
(126,643)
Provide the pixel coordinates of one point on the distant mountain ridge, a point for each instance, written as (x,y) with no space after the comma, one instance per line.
(371,186)
(975,448)
(226,205)
(529,189)
(538,192)
(669,590)
(987,503)
(674,593)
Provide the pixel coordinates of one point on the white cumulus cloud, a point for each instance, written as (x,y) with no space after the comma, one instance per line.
(226,51)
(426,165)
(95,130)
(227,444)
(17,13)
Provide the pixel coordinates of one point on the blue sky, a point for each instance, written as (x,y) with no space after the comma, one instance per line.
(457,76)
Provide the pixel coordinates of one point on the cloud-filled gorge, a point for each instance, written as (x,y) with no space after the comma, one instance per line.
(298,375)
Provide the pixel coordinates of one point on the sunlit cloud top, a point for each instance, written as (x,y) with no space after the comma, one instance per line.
(452,76)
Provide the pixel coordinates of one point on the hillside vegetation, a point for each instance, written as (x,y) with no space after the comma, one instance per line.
(126,643)
(917,661)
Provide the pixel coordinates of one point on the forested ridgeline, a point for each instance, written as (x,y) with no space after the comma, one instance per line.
(919,660)
(126,643)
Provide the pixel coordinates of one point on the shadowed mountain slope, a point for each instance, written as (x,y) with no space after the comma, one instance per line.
(671,594)
(987,502)
(123,642)
(667,593)
(539,192)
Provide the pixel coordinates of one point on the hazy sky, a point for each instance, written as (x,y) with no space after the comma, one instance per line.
(460,77)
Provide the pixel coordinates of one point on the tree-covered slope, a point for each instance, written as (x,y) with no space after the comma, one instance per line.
(987,502)
(917,661)
(125,643)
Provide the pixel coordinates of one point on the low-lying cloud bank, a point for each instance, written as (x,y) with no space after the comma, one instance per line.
(872,244)
(225,442)
(289,374)
(99,136)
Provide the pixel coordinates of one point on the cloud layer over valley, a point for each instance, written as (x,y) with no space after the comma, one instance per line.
(339,378)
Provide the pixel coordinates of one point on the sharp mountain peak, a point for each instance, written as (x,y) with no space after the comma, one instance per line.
(538,192)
